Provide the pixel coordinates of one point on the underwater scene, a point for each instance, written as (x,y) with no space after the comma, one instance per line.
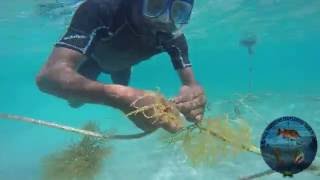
(255,60)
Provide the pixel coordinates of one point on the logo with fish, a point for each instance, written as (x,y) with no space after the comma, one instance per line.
(288,145)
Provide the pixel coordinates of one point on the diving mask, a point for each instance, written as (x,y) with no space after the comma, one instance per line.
(177,11)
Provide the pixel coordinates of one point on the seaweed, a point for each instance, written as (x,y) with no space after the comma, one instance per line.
(81,161)
(213,139)
(160,110)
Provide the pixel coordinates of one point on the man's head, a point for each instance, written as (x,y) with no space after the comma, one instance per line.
(166,16)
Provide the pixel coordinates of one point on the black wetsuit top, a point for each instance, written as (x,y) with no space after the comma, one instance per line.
(100,29)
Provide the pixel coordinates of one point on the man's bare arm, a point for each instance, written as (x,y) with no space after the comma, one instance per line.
(60,78)
(186,76)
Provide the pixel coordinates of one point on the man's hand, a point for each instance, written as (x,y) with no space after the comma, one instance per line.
(191,102)
(139,119)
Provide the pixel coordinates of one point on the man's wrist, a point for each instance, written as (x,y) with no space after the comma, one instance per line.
(192,84)
(187,77)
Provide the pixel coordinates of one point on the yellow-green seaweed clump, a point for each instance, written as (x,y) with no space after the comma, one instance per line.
(213,139)
(82,161)
(159,110)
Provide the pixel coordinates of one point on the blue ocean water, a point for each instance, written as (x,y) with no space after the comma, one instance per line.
(285,81)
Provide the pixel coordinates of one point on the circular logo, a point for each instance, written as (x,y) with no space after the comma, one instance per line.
(288,145)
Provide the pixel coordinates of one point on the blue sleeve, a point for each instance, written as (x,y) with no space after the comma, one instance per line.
(90,23)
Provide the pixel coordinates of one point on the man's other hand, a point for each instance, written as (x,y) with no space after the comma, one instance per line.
(191,102)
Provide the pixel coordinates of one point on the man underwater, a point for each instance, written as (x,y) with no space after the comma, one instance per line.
(111,36)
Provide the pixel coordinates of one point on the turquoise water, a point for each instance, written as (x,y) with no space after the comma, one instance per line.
(285,76)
